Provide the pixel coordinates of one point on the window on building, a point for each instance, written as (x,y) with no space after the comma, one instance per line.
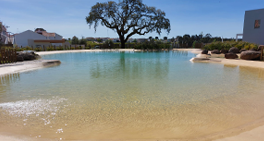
(257,24)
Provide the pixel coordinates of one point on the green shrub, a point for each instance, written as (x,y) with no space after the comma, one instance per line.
(108,44)
(27,48)
(193,45)
(253,46)
(240,45)
(19,49)
(38,49)
(91,44)
(60,48)
(156,45)
(67,48)
(50,48)
(214,45)
(228,44)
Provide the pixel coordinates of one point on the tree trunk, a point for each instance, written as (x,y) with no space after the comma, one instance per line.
(123,44)
(122,40)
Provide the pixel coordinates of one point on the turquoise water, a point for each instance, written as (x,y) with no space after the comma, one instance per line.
(129,95)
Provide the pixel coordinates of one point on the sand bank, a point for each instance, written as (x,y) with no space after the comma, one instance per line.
(26,66)
(234,62)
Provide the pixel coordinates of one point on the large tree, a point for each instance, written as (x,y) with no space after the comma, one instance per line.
(127,18)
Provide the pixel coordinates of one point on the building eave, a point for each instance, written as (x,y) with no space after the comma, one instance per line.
(49,41)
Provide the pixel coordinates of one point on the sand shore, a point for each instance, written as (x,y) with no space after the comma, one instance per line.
(26,66)
(255,133)
(233,62)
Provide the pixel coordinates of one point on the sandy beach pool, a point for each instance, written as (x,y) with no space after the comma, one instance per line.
(130,96)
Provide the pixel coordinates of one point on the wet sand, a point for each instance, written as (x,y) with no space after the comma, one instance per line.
(253,133)
(26,66)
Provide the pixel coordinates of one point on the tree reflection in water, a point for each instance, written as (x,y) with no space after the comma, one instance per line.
(5,83)
(132,66)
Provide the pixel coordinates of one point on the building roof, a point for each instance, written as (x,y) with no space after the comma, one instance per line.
(255,10)
(45,33)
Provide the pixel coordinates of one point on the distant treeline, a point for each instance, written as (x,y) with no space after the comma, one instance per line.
(189,40)
(184,41)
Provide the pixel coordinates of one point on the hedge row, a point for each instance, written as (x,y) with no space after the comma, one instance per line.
(228,44)
(152,45)
(49,48)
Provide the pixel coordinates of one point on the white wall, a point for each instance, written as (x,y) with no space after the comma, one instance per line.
(251,34)
(56,44)
(22,38)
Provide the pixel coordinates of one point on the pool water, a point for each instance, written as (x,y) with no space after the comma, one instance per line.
(130,96)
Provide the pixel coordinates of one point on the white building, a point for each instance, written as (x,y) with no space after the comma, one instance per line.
(254,26)
(38,39)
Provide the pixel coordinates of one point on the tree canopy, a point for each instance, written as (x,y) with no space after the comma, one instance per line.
(82,41)
(75,40)
(127,18)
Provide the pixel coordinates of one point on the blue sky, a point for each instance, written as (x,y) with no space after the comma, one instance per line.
(67,17)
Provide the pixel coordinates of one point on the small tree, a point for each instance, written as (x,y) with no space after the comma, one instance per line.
(172,39)
(179,39)
(186,39)
(99,40)
(156,37)
(150,38)
(194,43)
(206,38)
(83,41)
(75,40)
(165,38)
(201,35)
(109,43)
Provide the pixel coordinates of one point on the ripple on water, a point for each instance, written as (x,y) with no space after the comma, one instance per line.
(33,106)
